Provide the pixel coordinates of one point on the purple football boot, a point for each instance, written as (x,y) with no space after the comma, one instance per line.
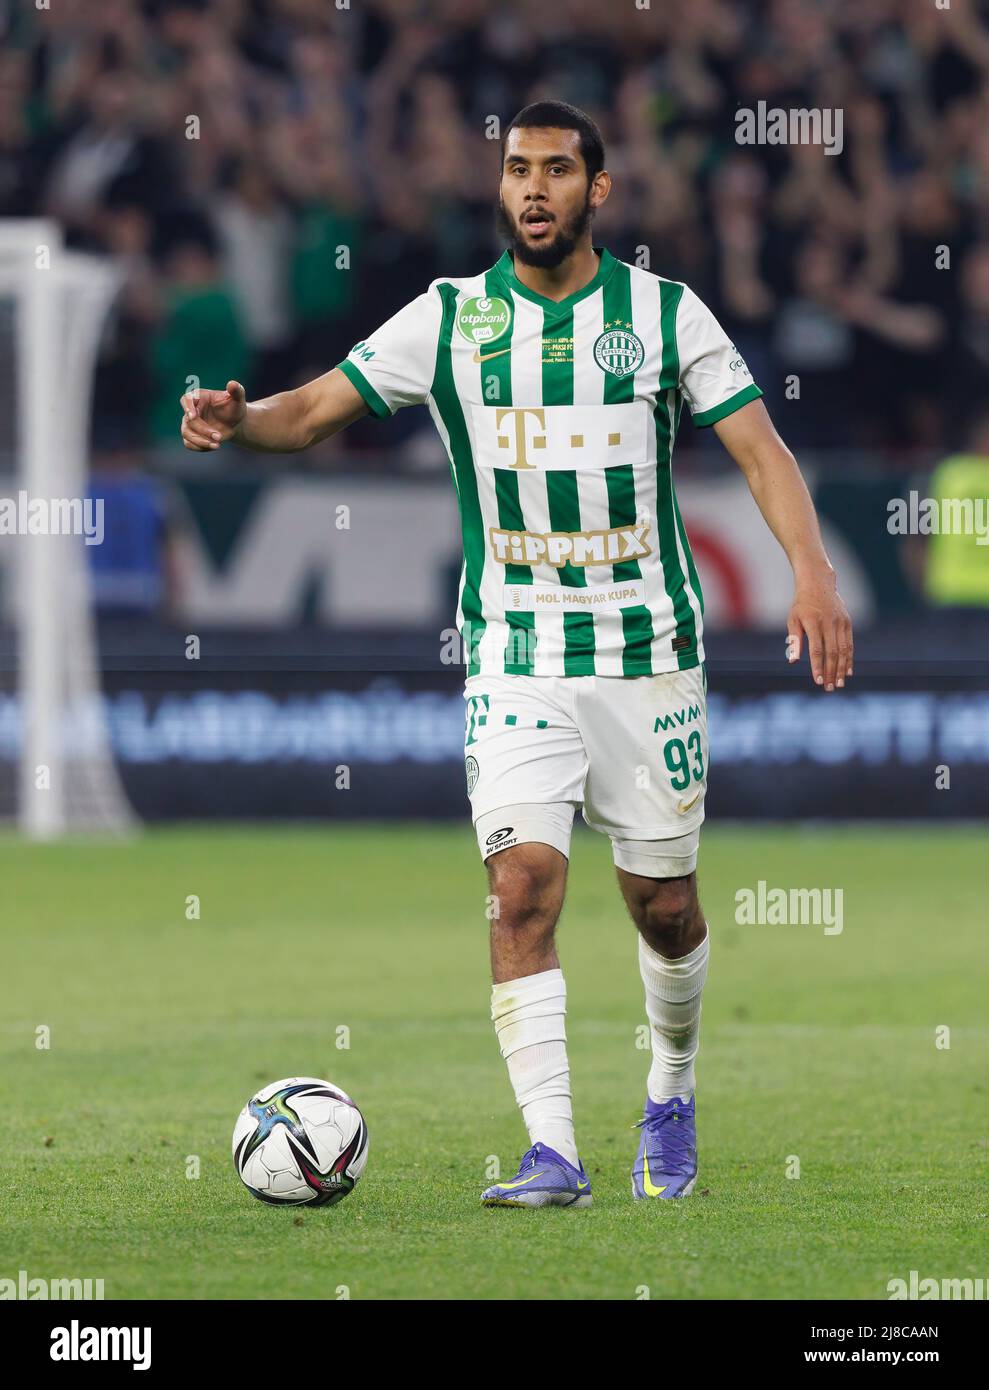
(666,1164)
(544,1179)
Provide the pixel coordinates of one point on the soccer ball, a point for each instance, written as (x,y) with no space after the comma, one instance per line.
(301,1142)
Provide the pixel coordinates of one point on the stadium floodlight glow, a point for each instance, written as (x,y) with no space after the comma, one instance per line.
(53,304)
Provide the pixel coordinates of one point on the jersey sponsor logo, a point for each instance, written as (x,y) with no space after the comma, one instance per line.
(618,350)
(481,319)
(572,437)
(737,364)
(361,351)
(680,716)
(560,548)
(488,355)
(517,417)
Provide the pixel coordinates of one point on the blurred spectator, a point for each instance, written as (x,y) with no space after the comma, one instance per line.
(199,336)
(957,572)
(255,234)
(132,570)
(123,387)
(969,356)
(105,149)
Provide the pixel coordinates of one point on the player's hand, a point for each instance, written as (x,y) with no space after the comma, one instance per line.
(209,418)
(818,613)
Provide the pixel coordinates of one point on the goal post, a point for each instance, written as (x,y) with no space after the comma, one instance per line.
(53,305)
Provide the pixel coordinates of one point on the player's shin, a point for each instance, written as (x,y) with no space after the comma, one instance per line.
(673,1006)
(529,1016)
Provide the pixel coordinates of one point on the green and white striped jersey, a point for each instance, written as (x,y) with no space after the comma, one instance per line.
(559,421)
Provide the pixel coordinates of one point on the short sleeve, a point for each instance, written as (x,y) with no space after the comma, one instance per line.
(394,366)
(714,379)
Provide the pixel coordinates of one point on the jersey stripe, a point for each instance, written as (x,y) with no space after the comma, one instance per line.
(578,628)
(623,309)
(558,357)
(521,644)
(496,389)
(451,411)
(589,385)
(694,594)
(654,655)
(636,622)
(496,375)
(695,582)
(617,297)
(676,586)
(561,487)
(527,389)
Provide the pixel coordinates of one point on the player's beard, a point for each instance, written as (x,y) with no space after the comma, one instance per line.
(554,252)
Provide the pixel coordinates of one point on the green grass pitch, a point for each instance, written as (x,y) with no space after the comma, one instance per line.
(813,1046)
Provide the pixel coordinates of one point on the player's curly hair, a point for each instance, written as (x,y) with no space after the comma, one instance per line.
(561,115)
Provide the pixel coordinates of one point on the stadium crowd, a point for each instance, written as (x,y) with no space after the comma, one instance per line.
(274,178)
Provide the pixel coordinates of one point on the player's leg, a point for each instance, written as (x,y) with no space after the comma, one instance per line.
(673,957)
(673,954)
(525,749)
(528,1007)
(647,749)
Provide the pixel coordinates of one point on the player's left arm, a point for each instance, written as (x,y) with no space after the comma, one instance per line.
(818,611)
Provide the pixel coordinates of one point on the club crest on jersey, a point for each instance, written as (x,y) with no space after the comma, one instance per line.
(473,772)
(618,350)
(482,320)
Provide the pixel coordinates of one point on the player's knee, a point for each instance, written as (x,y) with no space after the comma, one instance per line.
(668,914)
(527,887)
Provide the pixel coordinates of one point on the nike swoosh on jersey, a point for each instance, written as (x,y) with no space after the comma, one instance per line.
(648,1188)
(684,807)
(488,355)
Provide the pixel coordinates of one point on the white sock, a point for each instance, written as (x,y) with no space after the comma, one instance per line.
(528,1016)
(673,1007)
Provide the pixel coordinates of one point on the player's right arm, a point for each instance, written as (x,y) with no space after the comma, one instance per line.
(280,424)
(390,369)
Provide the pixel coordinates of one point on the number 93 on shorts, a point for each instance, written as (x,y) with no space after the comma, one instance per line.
(632,750)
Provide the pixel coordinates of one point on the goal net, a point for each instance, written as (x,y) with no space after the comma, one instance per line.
(57,773)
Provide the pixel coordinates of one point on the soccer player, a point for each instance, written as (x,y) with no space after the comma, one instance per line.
(556,379)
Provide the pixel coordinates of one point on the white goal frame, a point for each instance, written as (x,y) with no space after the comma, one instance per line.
(67,779)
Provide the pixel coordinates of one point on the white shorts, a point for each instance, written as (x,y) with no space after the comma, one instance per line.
(632,750)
